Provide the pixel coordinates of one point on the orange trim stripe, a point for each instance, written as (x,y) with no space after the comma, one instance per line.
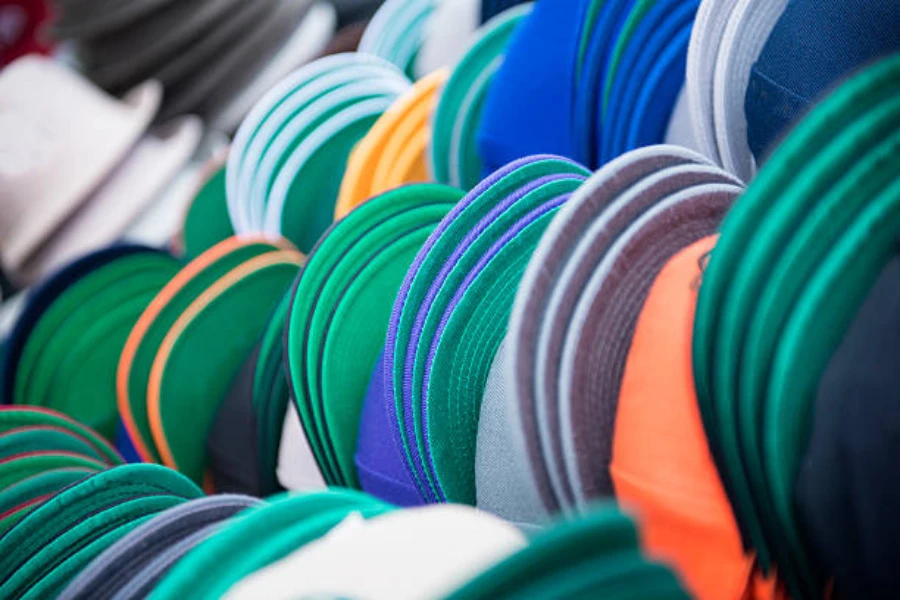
(197,306)
(169,291)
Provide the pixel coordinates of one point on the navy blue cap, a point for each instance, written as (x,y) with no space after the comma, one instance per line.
(814,46)
(492,8)
(847,488)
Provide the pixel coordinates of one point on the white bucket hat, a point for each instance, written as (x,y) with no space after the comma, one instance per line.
(59,138)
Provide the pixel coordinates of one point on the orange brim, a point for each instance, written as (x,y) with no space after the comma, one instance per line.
(149,316)
(154,384)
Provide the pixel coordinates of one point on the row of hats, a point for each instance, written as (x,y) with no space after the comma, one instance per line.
(480,116)
(111,337)
(483,118)
(77,523)
(726,77)
(582,335)
(213,57)
(508,347)
(541,298)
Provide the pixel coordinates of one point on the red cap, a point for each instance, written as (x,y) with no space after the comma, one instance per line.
(20,28)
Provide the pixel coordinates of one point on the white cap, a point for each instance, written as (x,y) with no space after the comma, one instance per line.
(415,554)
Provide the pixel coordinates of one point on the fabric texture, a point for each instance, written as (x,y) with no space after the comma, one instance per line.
(845,490)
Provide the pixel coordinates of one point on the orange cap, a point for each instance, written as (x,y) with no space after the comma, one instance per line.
(661,468)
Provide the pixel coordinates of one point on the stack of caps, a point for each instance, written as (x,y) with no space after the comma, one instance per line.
(417,436)
(547,423)
(215,58)
(394,151)
(42,452)
(20,28)
(596,556)
(536,78)
(340,308)
(722,53)
(755,66)
(686,520)
(135,563)
(288,158)
(629,72)
(261,536)
(65,347)
(46,548)
(78,165)
(455,159)
(611,87)
(795,261)
(182,354)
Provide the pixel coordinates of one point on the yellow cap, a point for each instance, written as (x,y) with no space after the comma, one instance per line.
(393,153)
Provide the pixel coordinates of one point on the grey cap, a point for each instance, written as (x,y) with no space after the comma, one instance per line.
(504,484)
(601,328)
(544,441)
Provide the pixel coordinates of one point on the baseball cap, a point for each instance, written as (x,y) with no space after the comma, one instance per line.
(532,82)
(144,340)
(790,259)
(848,522)
(129,558)
(590,272)
(811,49)
(415,553)
(339,312)
(379,162)
(686,521)
(68,357)
(461,284)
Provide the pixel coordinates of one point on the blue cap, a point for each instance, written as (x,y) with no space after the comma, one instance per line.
(815,45)
(535,79)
